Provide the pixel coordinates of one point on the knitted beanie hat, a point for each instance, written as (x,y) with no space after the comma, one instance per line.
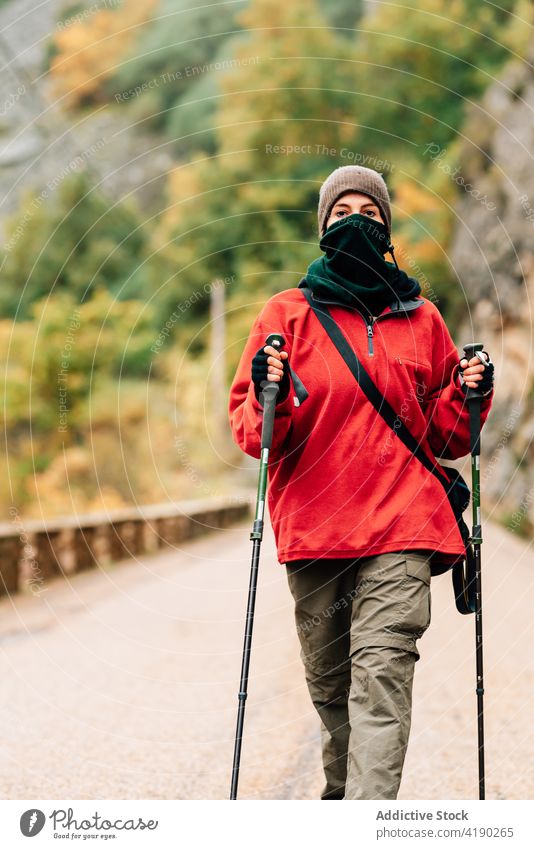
(354,178)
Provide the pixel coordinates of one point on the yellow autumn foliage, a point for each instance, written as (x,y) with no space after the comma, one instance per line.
(411,198)
(185,185)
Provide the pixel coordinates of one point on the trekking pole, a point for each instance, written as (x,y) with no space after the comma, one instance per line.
(269,393)
(474,397)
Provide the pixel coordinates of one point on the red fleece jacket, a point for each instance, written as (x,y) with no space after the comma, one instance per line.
(341,484)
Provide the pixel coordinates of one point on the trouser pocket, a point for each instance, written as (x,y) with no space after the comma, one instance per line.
(417,594)
(392,601)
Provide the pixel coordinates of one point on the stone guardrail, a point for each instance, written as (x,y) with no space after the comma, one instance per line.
(32,551)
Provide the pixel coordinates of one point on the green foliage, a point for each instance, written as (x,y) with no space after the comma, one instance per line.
(342,13)
(175,64)
(172,54)
(80,418)
(417,70)
(71,239)
(192,121)
(69,10)
(66,350)
(250,210)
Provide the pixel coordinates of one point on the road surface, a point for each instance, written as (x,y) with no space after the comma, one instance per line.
(122,683)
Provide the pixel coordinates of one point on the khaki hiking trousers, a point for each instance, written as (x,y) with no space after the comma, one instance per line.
(358,622)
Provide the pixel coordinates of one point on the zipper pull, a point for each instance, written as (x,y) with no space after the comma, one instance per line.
(370,339)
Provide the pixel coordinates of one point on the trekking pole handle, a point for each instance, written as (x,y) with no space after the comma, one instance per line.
(269,392)
(471,350)
(276,340)
(474,349)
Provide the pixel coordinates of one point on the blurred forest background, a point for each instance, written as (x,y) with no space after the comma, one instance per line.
(139,166)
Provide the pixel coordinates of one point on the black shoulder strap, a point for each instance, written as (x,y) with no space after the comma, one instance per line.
(371,390)
(463,582)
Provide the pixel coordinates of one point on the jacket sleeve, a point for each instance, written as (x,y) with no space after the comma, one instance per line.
(445,406)
(245,411)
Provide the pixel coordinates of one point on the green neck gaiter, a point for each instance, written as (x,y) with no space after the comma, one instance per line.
(353,269)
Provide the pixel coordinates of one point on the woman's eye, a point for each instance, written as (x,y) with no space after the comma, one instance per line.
(342,212)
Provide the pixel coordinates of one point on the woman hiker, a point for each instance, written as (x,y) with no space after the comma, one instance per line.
(355,516)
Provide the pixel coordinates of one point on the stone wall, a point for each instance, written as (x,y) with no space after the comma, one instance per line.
(33,552)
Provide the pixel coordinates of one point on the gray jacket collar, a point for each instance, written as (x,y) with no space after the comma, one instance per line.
(396,305)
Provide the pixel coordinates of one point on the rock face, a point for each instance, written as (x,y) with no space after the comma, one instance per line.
(493,254)
(40,144)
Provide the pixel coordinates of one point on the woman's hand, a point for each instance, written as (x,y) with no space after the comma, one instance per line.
(476,375)
(268,364)
(275,362)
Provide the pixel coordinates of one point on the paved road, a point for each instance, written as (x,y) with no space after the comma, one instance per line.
(123,683)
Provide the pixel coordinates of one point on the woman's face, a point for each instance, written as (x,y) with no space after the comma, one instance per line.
(352,202)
